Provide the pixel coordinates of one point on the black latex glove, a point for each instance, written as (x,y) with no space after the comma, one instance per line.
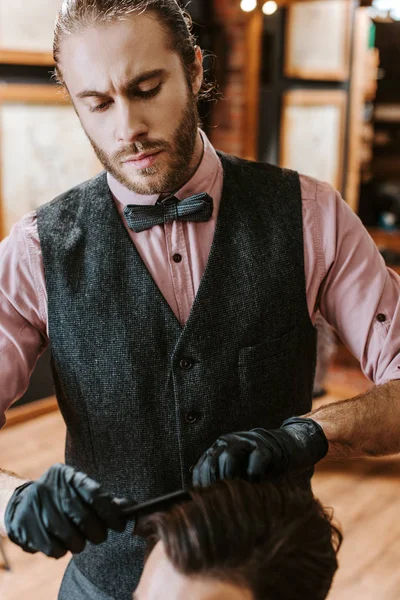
(260,453)
(60,512)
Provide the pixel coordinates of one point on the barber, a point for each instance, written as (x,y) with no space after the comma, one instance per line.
(178,290)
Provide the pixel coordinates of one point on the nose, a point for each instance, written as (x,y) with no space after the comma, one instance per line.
(130,125)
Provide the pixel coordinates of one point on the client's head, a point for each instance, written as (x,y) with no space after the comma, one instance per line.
(240,541)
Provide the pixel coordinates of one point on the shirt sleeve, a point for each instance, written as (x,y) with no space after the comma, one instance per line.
(357,293)
(23,329)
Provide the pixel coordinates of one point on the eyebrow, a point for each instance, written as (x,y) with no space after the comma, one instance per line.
(131,84)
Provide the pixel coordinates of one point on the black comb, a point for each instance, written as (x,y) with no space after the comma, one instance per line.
(133,509)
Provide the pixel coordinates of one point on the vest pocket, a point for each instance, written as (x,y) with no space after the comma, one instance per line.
(268,377)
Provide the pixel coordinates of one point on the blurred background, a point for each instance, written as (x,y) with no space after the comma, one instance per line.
(312,85)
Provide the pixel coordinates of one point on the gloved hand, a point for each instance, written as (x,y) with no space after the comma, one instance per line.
(60,512)
(260,453)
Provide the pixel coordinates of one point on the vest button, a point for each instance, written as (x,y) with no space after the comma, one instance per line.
(185,363)
(177,258)
(191,417)
(381,318)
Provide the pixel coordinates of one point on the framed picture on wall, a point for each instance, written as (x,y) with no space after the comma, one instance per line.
(318,39)
(43,149)
(26,31)
(312,139)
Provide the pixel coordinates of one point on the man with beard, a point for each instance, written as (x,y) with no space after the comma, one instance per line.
(178,290)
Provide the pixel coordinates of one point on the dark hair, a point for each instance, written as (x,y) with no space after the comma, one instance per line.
(275,540)
(76,15)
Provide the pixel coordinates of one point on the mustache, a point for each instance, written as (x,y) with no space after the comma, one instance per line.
(139,147)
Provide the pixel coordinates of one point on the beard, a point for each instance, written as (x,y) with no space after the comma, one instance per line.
(162,177)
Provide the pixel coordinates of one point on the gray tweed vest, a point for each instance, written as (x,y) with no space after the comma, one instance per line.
(144,397)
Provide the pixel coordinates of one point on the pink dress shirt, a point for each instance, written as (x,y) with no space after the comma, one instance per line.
(346,278)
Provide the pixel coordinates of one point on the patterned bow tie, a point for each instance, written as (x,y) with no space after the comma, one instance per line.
(195,208)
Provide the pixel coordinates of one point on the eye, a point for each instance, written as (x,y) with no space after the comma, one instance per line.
(100,107)
(149,93)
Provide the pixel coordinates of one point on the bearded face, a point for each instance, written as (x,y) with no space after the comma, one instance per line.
(133,98)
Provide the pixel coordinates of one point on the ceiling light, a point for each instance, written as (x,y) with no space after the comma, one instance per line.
(248,5)
(270,7)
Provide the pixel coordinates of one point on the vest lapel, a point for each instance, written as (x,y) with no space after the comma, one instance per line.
(142,271)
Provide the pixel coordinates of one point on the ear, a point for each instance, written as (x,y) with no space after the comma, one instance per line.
(197,71)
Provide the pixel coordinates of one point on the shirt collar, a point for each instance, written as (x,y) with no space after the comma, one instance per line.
(201,181)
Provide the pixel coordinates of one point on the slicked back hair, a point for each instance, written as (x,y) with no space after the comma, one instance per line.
(76,15)
(273,539)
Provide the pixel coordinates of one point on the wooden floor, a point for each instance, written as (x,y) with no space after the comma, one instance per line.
(365,496)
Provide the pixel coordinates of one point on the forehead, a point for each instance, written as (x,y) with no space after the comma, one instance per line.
(114,52)
(161,581)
